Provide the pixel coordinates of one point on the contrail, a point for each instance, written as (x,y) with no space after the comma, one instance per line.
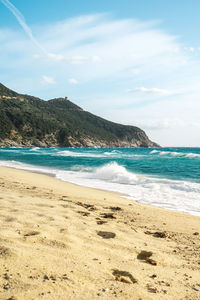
(20,18)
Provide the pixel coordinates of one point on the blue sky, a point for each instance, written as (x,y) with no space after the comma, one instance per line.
(133,62)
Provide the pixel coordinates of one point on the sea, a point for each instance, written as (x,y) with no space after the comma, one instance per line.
(163,177)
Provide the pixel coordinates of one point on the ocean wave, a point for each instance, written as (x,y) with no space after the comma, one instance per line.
(113,152)
(109,153)
(192,155)
(106,154)
(34,149)
(76,154)
(154,151)
(12,150)
(171,194)
(114,172)
(175,154)
(26,167)
(162,192)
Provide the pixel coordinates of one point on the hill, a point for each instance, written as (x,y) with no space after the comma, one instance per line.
(29,121)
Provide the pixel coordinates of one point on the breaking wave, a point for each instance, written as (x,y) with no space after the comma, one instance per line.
(77,154)
(113,172)
(165,177)
(175,154)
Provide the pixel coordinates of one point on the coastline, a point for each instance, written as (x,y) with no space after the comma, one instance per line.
(145,189)
(51,247)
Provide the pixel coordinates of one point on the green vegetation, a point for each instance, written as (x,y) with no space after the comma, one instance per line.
(27,120)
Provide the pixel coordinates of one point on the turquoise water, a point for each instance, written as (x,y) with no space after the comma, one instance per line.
(165,177)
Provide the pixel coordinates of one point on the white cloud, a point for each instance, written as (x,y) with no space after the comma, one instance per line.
(73,81)
(120,44)
(154,91)
(77,60)
(48,80)
(74,60)
(96,58)
(110,56)
(36,56)
(158,124)
(20,18)
(56,57)
(191,49)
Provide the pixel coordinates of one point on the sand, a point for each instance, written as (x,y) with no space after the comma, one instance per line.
(62,241)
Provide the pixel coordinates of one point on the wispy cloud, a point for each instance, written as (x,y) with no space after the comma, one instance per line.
(73,81)
(56,57)
(96,58)
(158,124)
(109,56)
(20,18)
(77,60)
(48,80)
(154,91)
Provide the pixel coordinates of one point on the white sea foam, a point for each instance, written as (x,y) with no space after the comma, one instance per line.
(13,150)
(171,194)
(154,151)
(192,155)
(166,193)
(164,153)
(113,172)
(77,154)
(34,149)
(27,167)
(175,154)
(108,153)
(113,152)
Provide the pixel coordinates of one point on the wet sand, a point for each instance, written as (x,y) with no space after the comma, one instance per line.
(62,241)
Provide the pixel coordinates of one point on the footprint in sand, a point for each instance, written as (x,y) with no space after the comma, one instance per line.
(31,233)
(83,213)
(108,216)
(63,230)
(106,234)
(10,219)
(45,205)
(4,251)
(52,243)
(14,210)
(124,276)
(145,256)
(100,222)
(115,208)
(90,207)
(158,234)
(64,205)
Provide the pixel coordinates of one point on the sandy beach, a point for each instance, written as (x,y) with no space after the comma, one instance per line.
(62,241)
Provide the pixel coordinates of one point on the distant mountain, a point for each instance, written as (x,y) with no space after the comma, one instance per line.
(29,121)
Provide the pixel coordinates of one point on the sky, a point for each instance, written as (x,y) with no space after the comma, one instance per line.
(129,61)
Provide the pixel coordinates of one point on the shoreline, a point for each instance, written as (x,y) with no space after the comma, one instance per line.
(61,240)
(68,182)
(122,195)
